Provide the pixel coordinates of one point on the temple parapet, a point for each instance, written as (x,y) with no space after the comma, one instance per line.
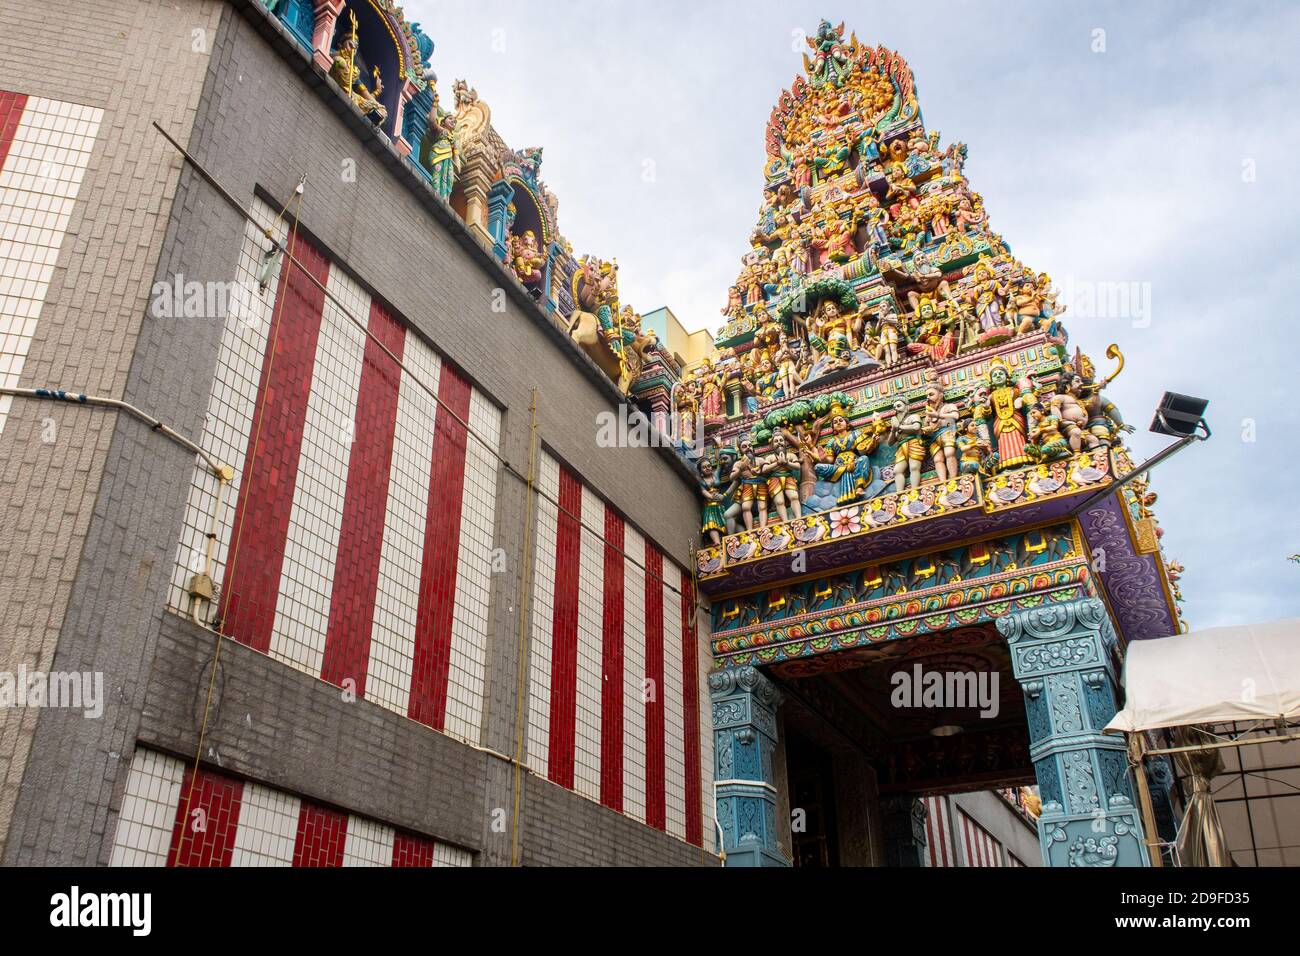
(950,509)
(381,62)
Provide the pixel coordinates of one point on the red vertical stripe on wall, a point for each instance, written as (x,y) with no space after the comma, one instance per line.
(322,834)
(207,836)
(252,578)
(654,673)
(411,850)
(365,506)
(611,689)
(11,114)
(691,715)
(564,631)
(437,604)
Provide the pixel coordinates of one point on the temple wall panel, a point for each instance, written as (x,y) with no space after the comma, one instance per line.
(609,607)
(247,824)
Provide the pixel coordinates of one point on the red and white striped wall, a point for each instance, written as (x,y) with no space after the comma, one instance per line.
(980,847)
(356,541)
(954,838)
(234,822)
(617,708)
(45,147)
(939,845)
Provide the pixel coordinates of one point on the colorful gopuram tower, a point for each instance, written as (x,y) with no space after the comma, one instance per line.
(901,453)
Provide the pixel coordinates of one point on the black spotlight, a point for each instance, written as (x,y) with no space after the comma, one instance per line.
(1179,415)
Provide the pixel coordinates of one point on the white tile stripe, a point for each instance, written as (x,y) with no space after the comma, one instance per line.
(148,814)
(267,827)
(401,555)
(311,547)
(674,719)
(709,831)
(539,666)
(591,604)
(634,675)
(367,843)
(938,832)
(468,663)
(231,406)
(39,183)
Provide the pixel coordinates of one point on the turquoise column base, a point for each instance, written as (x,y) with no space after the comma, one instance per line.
(743,705)
(1063,655)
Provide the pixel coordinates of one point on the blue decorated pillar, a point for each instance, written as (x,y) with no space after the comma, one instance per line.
(553,254)
(744,736)
(1062,655)
(499,197)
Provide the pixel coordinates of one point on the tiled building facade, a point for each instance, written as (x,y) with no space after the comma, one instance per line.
(425,657)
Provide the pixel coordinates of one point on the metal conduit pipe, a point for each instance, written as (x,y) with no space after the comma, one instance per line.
(201,587)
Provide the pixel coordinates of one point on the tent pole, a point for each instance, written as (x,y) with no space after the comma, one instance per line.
(1201,748)
(1136,748)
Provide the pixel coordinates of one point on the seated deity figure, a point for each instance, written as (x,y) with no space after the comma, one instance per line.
(844,456)
(972,447)
(933,336)
(525,258)
(1045,434)
(1068,408)
(905,432)
(345,72)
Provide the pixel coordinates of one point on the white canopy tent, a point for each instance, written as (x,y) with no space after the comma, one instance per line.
(1223,674)
(1219,690)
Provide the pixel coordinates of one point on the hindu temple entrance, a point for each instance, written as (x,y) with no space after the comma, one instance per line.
(822,759)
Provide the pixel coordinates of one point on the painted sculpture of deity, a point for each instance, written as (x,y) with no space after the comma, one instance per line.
(712,399)
(781,467)
(526,259)
(717,499)
(439,148)
(844,456)
(1010,432)
(345,72)
(832,57)
(889,335)
(1045,435)
(972,448)
(933,336)
(906,434)
(686,400)
(747,473)
(787,366)
(939,425)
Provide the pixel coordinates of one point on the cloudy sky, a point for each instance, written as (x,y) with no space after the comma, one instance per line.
(1150,144)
